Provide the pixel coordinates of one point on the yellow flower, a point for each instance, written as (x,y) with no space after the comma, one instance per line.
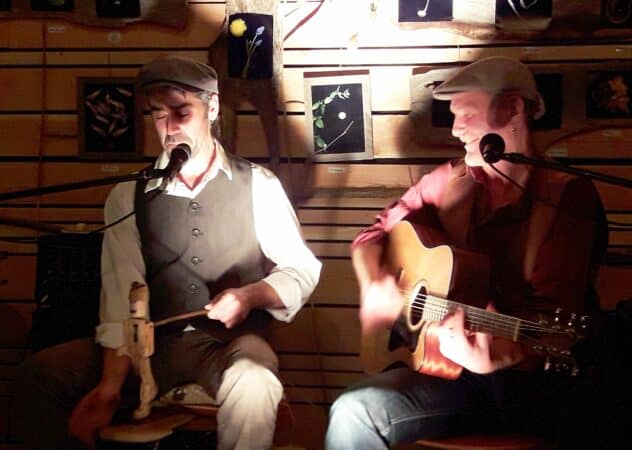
(238,27)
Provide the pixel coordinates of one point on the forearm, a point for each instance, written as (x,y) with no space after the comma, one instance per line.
(260,295)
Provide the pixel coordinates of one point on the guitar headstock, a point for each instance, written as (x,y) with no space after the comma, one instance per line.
(556,337)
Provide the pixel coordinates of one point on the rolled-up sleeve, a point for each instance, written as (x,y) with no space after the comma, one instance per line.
(296,270)
(121,265)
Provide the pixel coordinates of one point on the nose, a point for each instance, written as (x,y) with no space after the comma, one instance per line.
(457,128)
(173,125)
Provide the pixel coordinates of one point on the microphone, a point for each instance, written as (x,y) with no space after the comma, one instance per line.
(179,155)
(492,148)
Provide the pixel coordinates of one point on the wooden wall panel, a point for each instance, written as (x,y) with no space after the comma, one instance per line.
(41,59)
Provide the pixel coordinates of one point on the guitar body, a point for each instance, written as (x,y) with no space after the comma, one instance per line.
(423,266)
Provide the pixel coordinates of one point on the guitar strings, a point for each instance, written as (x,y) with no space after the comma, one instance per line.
(435,308)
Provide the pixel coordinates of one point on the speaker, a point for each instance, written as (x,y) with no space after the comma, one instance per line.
(67,290)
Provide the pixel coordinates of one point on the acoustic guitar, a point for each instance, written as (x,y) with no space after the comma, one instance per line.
(435,279)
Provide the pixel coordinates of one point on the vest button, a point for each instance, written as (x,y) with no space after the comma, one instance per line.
(195,206)
(193,288)
(195,260)
(196,232)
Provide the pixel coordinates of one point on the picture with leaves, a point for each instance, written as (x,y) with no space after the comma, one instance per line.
(338,114)
(110,121)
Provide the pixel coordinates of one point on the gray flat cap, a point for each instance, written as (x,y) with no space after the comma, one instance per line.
(496,74)
(177,71)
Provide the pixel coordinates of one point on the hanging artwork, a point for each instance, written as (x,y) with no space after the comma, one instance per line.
(524,14)
(338,115)
(262,74)
(52,5)
(425,10)
(118,8)
(616,13)
(110,120)
(250,46)
(608,94)
(101,13)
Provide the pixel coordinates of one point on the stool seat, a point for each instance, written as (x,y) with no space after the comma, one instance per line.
(485,442)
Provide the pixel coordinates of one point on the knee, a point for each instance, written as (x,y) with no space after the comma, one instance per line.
(349,404)
(255,349)
(248,381)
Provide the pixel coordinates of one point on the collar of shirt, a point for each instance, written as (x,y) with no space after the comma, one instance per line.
(177,187)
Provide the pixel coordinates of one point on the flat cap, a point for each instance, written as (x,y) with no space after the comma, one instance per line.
(177,71)
(496,74)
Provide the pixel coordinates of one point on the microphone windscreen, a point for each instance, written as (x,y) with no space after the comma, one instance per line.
(492,147)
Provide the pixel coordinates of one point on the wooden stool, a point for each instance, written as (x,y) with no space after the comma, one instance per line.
(164,421)
(483,442)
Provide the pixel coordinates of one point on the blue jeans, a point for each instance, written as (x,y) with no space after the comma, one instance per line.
(401,406)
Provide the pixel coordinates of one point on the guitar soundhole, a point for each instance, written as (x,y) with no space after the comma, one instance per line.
(417,306)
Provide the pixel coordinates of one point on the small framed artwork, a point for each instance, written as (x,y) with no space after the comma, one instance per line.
(118,8)
(52,5)
(338,115)
(608,94)
(524,14)
(425,10)
(616,13)
(110,118)
(250,45)
(551,89)
(5,5)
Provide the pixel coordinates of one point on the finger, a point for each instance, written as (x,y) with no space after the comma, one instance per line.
(458,322)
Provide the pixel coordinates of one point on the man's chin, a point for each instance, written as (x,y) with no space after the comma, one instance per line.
(473,160)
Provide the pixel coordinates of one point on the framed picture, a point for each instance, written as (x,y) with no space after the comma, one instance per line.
(5,5)
(338,115)
(118,8)
(520,15)
(616,13)
(52,5)
(425,10)
(250,45)
(608,94)
(110,118)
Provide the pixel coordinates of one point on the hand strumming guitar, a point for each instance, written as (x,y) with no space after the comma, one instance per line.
(381,302)
(477,352)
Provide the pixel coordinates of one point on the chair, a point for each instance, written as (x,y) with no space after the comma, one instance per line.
(183,409)
(486,442)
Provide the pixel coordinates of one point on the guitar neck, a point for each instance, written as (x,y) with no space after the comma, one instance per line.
(476,319)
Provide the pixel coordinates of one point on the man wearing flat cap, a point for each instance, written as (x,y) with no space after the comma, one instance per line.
(219,237)
(541,234)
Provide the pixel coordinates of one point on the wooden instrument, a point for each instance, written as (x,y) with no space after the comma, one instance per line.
(432,276)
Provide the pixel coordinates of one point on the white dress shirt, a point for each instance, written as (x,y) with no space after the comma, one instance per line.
(294,276)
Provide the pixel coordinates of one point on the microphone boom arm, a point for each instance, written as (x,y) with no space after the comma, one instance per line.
(519,158)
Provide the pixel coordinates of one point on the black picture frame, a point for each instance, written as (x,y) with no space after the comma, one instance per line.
(616,13)
(110,118)
(250,46)
(608,94)
(119,9)
(5,5)
(529,10)
(53,5)
(424,10)
(338,115)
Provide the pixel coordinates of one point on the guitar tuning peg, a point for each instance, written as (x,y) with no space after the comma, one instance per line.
(571,321)
(557,318)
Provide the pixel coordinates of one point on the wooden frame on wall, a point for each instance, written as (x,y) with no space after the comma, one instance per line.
(338,115)
(110,118)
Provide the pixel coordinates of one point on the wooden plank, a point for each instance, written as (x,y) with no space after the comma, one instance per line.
(331,233)
(336,216)
(204,24)
(15,324)
(346,363)
(613,285)
(337,284)
(54,214)
(18,277)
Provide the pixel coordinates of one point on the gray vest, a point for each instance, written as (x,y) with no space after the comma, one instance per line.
(194,248)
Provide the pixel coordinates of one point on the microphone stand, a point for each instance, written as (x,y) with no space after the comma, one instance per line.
(519,158)
(145,174)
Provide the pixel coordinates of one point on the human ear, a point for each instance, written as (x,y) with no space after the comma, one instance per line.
(213,107)
(504,108)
